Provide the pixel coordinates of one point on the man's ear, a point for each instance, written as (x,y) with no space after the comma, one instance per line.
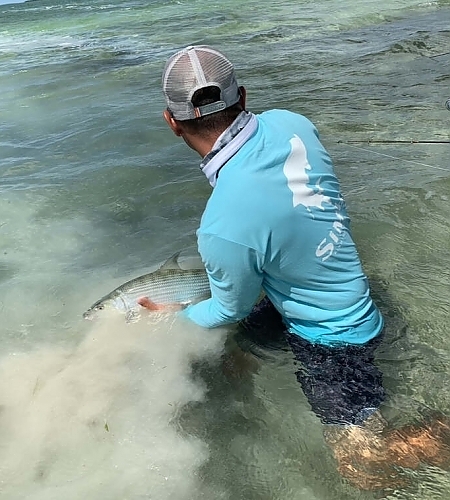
(173,124)
(243,98)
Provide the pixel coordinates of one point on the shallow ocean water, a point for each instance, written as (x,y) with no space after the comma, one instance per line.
(95,190)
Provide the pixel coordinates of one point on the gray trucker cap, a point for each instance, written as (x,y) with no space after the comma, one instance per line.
(194,68)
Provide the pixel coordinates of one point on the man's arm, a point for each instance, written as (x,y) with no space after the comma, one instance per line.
(235,278)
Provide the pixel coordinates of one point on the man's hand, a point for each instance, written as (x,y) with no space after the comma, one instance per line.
(151,306)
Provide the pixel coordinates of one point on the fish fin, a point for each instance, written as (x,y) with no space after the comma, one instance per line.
(172,262)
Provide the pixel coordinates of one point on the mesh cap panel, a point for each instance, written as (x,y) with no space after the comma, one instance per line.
(194,68)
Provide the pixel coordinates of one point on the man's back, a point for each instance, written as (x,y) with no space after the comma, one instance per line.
(277,204)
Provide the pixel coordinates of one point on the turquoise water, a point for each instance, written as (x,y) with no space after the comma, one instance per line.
(95,190)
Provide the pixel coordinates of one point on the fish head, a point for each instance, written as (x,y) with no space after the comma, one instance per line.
(96,309)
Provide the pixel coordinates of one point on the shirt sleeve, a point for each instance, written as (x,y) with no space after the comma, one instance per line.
(235,279)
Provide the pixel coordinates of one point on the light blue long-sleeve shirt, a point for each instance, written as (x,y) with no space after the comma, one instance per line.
(276,221)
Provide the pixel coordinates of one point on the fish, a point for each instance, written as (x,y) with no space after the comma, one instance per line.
(169,285)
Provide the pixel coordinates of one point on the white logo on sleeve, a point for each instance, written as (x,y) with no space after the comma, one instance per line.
(296,171)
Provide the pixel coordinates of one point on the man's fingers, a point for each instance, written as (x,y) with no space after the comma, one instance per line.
(151,306)
(148,304)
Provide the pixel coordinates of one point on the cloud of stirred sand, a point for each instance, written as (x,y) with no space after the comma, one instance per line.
(97,421)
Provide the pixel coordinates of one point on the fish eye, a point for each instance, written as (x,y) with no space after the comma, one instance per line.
(100,307)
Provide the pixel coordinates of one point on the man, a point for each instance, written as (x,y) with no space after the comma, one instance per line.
(276,221)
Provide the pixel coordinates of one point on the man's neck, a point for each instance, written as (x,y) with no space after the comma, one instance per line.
(202,145)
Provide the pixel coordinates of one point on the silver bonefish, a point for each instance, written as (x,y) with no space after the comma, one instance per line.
(169,284)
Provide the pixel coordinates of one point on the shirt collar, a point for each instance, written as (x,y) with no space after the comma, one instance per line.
(228,144)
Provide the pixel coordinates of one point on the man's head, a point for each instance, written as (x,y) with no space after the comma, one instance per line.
(201,91)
